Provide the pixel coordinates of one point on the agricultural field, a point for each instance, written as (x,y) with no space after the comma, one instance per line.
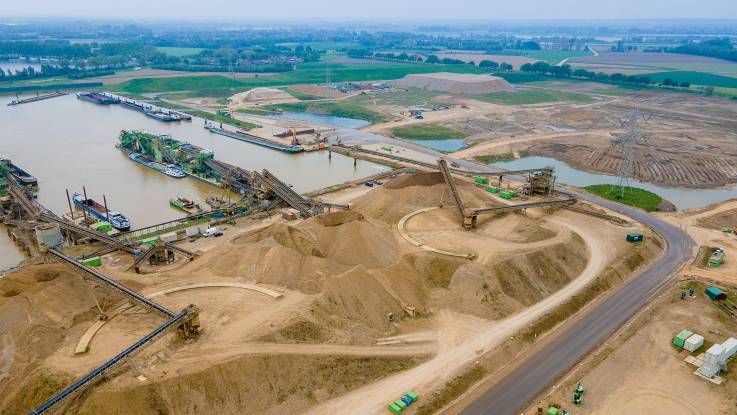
(426,132)
(532,96)
(633,196)
(697,78)
(300,76)
(552,57)
(337,108)
(179,52)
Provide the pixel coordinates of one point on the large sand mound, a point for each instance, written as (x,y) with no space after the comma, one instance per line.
(350,239)
(456,83)
(260,95)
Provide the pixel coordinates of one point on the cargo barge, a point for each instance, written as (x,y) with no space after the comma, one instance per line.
(156,113)
(185,205)
(36,98)
(116,219)
(171,170)
(238,135)
(20,176)
(97,98)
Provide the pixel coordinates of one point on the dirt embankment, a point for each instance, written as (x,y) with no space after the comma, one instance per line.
(721,220)
(40,308)
(275,384)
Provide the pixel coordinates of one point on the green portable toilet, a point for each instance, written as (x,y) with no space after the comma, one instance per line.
(480,180)
(412,396)
(681,337)
(402,406)
(393,408)
(95,261)
(149,241)
(634,237)
(553,411)
(506,195)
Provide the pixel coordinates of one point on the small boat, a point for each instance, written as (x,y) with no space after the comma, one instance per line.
(186,205)
(98,211)
(161,116)
(171,170)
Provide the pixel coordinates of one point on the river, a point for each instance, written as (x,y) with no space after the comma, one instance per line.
(68,143)
(680,197)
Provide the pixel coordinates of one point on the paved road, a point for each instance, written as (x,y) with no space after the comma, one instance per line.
(510,394)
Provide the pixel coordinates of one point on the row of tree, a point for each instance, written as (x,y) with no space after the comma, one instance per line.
(565,71)
(715,48)
(49,71)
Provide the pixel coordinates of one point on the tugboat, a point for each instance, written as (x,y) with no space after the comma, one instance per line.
(98,211)
(171,170)
(186,205)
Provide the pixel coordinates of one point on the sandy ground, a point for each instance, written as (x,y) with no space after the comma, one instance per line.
(464,342)
(640,372)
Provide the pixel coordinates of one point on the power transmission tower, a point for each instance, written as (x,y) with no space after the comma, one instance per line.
(627,141)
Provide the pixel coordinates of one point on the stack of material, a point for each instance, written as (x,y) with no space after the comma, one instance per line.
(680,339)
(717,356)
(456,83)
(712,361)
(693,343)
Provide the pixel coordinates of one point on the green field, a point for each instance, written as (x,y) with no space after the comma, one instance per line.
(310,76)
(550,56)
(532,96)
(426,132)
(337,108)
(179,52)
(633,196)
(696,78)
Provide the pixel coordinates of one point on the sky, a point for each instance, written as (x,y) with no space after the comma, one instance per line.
(366,10)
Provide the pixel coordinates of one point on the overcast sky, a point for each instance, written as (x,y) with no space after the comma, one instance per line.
(373,9)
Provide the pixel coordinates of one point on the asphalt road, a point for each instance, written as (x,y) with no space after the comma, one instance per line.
(539,371)
(510,394)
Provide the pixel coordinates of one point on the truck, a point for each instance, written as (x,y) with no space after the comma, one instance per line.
(212,231)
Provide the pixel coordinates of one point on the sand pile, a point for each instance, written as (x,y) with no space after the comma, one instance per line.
(260,95)
(350,239)
(356,299)
(40,307)
(456,83)
(509,285)
(408,193)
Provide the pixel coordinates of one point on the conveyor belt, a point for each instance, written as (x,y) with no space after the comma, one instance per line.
(297,202)
(565,202)
(94,375)
(87,232)
(114,284)
(452,186)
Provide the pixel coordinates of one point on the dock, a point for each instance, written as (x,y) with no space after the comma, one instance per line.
(249,138)
(37,98)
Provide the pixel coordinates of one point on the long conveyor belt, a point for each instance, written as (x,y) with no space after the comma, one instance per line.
(116,285)
(564,202)
(452,186)
(288,197)
(87,232)
(95,374)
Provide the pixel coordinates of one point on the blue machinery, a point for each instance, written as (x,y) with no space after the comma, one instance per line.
(186,322)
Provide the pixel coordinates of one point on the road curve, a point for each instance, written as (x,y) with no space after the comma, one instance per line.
(515,390)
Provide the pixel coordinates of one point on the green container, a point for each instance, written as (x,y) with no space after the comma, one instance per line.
(507,195)
(103,227)
(412,396)
(481,180)
(634,237)
(492,189)
(386,148)
(95,261)
(393,408)
(150,241)
(681,338)
(553,411)
(400,403)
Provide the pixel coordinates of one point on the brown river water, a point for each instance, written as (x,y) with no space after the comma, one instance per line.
(68,143)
